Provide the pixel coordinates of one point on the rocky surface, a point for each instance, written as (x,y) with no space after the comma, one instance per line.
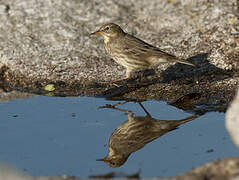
(223,169)
(7,96)
(48,41)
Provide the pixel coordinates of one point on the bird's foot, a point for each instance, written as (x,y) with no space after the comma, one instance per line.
(114,106)
(109,83)
(115,82)
(121,79)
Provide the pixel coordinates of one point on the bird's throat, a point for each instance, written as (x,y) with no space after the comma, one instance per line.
(106,39)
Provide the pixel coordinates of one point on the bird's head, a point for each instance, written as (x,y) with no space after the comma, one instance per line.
(114,161)
(109,30)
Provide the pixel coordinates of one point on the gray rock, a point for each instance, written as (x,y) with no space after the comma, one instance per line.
(10,173)
(49,40)
(232,120)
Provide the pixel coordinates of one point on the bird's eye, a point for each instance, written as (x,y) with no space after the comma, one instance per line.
(107,28)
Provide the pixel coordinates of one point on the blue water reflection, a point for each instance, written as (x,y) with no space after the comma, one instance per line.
(52,136)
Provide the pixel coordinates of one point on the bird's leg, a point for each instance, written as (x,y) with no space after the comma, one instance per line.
(114,81)
(131,116)
(141,105)
(128,73)
(121,79)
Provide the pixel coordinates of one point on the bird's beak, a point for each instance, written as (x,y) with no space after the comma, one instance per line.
(103,159)
(96,32)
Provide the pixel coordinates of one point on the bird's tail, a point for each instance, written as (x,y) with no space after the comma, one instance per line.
(184,62)
(173,124)
(190,118)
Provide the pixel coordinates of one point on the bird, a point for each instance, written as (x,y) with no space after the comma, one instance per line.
(135,133)
(131,52)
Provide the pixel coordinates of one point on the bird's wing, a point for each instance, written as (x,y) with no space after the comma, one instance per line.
(143,49)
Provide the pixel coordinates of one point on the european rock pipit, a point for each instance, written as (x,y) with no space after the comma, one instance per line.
(135,133)
(131,52)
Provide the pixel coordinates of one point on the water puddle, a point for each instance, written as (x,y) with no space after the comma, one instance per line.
(48,136)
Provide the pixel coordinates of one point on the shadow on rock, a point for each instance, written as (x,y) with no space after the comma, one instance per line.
(186,74)
(201,89)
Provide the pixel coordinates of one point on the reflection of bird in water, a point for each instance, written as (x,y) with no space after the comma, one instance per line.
(135,133)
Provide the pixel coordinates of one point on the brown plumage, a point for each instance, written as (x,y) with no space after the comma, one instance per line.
(131,52)
(135,133)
